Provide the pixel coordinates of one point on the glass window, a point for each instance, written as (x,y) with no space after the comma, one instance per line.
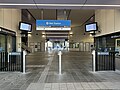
(9,43)
(74,45)
(2,43)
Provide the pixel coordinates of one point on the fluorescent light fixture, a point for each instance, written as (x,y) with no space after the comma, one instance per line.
(58,36)
(43,36)
(60,5)
(90,35)
(29,32)
(56,33)
(43,32)
(52,28)
(29,35)
(57,39)
(91,32)
(71,33)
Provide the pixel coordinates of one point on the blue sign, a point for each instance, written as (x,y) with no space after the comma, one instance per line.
(53,23)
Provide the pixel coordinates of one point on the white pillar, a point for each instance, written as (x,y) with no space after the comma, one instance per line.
(93,53)
(24,60)
(59,54)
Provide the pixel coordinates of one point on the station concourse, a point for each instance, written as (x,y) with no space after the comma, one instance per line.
(59,45)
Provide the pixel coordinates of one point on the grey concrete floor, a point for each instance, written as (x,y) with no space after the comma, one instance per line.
(42,74)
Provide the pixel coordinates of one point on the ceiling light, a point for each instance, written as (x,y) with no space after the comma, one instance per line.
(29,35)
(55,33)
(92,32)
(43,32)
(61,5)
(29,32)
(90,35)
(57,36)
(71,33)
(43,36)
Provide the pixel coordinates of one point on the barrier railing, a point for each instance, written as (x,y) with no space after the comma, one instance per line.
(12,61)
(104,61)
(28,49)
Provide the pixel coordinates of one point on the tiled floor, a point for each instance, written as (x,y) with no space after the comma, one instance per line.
(76,86)
(42,74)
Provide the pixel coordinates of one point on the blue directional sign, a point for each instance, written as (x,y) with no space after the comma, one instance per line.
(52,23)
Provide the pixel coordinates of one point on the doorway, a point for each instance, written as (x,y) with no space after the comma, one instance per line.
(87,46)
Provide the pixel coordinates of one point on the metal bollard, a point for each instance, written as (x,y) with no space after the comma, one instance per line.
(59,54)
(93,53)
(24,59)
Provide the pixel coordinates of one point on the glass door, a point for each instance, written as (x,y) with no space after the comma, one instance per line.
(11,43)
(2,50)
(2,43)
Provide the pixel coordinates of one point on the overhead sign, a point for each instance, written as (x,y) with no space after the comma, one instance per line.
(53,24)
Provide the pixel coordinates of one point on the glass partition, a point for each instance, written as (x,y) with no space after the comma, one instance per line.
(105,44)
(2,43)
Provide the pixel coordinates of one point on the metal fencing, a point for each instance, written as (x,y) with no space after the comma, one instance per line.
(12,61)
(105,61)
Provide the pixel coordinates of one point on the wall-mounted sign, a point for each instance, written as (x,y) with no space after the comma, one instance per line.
(103,53)
(53,24)
(6,31)
(115,36)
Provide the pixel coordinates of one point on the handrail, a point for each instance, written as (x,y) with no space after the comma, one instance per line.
(26,48)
